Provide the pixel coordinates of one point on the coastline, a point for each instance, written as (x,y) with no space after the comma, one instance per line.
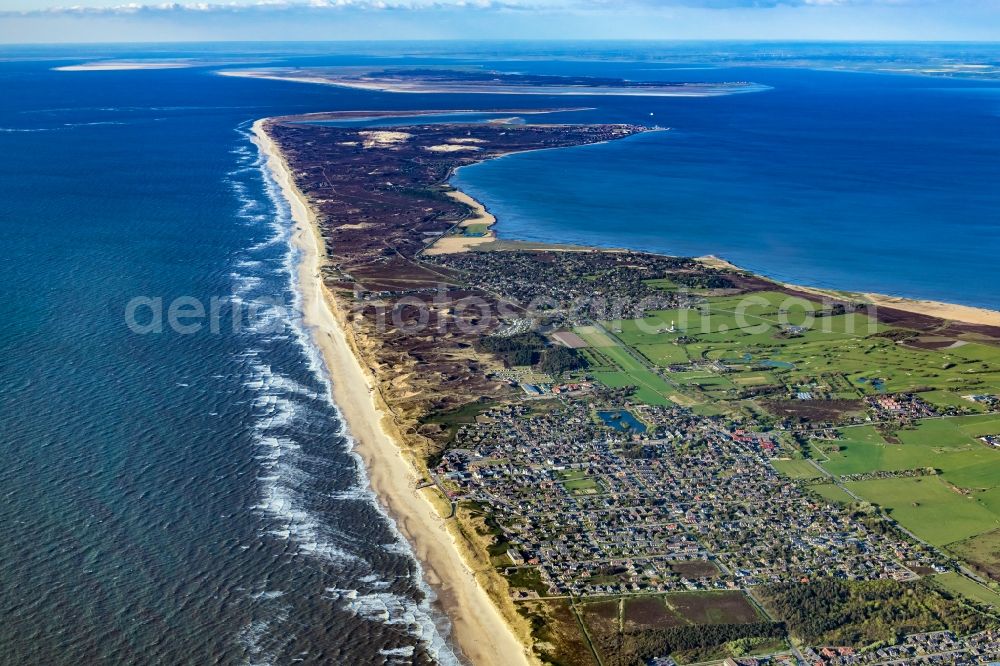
(478,628)
(966,314)
(953,312)
(480,216)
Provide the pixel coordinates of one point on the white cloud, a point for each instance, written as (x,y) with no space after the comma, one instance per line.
(306,6)
(133,8)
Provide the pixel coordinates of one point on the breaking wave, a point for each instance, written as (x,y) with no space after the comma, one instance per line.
(291,411)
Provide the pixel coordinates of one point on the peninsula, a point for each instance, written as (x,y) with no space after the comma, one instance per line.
(614,457)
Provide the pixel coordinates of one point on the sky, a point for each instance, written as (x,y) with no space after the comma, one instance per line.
(49,21)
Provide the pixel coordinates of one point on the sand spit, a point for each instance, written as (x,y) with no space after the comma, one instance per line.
(120,66)
(459,243)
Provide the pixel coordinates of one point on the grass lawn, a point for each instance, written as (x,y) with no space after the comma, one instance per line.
(942,432)
(977,426)
(943,398)
(832,493)
(570,474)
(652,389)
(982,552)
(929,508)
(583,484)
(594,337)
(864,433)
(753,379)
(662,283)
(663,354)
(990,499)
(618,379)
(955,582)
(797,469)
(943,444)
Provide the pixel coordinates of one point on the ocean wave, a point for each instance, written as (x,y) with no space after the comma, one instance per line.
(64,126)
(283,405)
(30,129)
(284,502)
(394,610)
(406,652)
(278,381)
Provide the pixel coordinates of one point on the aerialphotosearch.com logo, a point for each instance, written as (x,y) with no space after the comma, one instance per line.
(188,315)
(439,311)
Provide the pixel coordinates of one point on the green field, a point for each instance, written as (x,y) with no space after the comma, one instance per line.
(832,492)
(982,552)
(957,505)
(959,584)
(582,485)
(947,444)
(626,368)
(929,508)
(662,283)
(618,379)
(663,354)
(946,399)
(837,353)
(797,469)
(960,431)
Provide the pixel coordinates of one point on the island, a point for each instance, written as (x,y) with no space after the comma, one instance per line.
(474,80)
(614,457)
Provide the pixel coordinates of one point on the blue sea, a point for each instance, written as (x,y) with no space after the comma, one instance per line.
(845,180)
(191,497)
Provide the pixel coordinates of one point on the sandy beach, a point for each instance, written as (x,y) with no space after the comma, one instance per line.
(478,628)
(450,244)
(950,311)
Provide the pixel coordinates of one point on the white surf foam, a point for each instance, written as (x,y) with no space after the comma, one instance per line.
(282,477)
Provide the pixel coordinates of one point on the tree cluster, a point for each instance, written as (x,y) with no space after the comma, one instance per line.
(521,349)
(861,613)
(638,646)
(558,360)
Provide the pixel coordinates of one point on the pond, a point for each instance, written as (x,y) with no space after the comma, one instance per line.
(622,421)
